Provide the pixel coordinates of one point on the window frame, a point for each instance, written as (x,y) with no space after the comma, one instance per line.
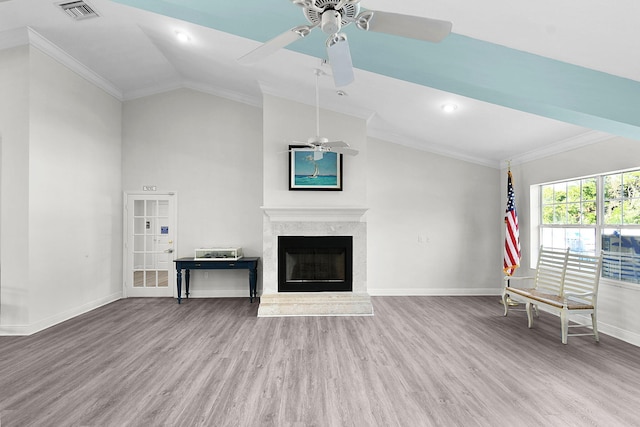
(598,228)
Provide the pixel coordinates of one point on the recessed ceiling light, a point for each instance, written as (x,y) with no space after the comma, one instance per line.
(449,108)
(183,37)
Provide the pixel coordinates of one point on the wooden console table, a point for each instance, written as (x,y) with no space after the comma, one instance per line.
(188,264)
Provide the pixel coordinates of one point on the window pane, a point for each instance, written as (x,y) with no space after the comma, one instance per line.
(621,254)
(589,189)
(547,194)
(547,215)
(560,192)
(589,213)
(559,214)
(612,212)
(573,191)
(577,239)
(632,184)
(612,186)
(573,213)
(631,211)
(554,238)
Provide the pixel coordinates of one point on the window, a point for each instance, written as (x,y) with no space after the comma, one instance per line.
(596,213)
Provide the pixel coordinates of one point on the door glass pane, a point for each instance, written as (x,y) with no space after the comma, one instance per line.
(149,244)
(138,261)
(138,279)
(138,243)
(150,281)
(149,261)
(152,208)
(138,207)
(163,279)
(138,225)
(163,208)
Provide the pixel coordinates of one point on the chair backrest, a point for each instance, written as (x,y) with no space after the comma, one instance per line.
(583,275)
(550,271)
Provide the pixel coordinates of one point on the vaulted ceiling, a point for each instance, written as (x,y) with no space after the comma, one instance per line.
(528,78)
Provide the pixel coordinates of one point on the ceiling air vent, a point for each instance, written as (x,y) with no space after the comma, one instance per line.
(78,10)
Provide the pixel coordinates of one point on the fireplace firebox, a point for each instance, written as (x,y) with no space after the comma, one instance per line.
(315,263)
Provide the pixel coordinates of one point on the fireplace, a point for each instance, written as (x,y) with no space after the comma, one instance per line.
(315,263)
(315,222)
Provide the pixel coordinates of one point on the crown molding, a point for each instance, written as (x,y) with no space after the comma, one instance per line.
(185,84)
(584,139)
(422,145)
(41,43)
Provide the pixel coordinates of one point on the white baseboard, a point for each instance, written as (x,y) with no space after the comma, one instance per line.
(58,318)
(218,293)
(435,292)
(612,331)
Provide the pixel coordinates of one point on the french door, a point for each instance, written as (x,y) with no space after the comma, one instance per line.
(149,245)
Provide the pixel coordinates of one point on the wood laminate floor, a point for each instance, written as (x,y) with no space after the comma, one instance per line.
(420,361)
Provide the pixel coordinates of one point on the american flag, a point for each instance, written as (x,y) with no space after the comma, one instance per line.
(512,237)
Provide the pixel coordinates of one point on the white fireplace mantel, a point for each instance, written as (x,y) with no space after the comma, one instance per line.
(315,214)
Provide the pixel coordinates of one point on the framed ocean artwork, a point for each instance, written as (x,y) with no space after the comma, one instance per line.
(313,170)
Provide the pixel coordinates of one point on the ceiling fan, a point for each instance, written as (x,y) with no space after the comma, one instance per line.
(332,15)
(319,144)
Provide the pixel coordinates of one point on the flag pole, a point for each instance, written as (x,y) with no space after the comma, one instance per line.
(512,237)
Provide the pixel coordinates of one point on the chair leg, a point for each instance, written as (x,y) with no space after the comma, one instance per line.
(505,303)
(529,316)
(594,324)
(564,325)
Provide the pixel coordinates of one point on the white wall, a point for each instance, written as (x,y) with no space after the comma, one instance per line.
(68,171)
(286,122)
(209,151)
(617,303)
(434,224)
(14,187)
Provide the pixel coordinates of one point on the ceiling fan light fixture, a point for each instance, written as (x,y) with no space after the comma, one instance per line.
(331,22)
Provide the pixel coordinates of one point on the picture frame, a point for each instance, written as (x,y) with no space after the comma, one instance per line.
(311,170)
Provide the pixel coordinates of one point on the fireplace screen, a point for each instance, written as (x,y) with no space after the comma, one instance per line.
(313,264)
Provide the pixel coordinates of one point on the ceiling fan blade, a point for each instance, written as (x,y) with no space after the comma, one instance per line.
(335,144)
(275,44)
(345,150)
(340,59)
(414,27)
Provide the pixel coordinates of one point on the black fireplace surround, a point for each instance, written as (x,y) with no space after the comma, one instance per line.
(315,263)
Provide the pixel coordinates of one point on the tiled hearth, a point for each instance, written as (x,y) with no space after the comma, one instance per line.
(314,221)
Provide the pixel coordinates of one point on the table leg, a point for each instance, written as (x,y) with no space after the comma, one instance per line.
(187,274)
(179,283)
(253,276)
